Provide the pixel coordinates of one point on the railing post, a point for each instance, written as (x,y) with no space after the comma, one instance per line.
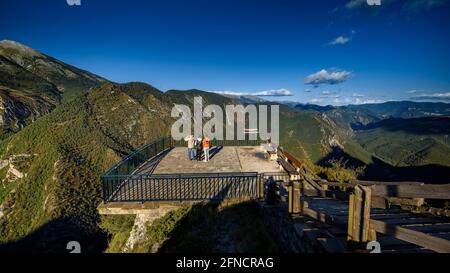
(296,188)
(294,192)
(290,189)
(261,187)
(359,215)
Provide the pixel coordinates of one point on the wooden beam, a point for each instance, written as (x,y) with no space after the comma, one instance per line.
(351,213)
(330,194)
(323,217)
(400,189)
(427,191)
(359,214)
(365,218)
(261,187)
(415,237)
(296,194)
(290,198)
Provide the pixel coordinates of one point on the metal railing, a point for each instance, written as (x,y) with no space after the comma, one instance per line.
(180,187)
(122,183)
(130,163)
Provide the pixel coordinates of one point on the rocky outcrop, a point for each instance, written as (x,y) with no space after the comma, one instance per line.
(138,234)
(18,108)
(13,172)
(32,84)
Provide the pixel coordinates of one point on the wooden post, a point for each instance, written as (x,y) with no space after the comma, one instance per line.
(366,205)
(351,210)
(261,187)
(296,188)
(290,197)
(359,215)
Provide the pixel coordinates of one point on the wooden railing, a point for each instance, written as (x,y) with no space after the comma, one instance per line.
(362,197)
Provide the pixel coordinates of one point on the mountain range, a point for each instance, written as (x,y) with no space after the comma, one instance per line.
(32,84)
(63,127)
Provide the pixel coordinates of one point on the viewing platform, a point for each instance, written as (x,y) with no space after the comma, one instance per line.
(222,160)
(160,173)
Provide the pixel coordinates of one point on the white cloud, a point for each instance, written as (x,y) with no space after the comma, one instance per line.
(275,93)
(412,91)
(433,96)
(326,77)
(358,95)
(341,40)
(367,101)
(345,100)
(352,4)
(406,5)
(317,100)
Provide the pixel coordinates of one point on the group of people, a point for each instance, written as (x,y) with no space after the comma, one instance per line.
(198,148)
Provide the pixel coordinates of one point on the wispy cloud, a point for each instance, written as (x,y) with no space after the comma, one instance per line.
(268,93)
(317,100)
(338,100)
(405,5)
(433,96)
(327,77)
(358,95)
(343,39)
(367,101)
(352,4)
(412,91)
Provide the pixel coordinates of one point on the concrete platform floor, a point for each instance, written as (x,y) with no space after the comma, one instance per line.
(225,159)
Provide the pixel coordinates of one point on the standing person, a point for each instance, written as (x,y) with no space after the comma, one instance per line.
(199,149)
(206,146)
(190,142)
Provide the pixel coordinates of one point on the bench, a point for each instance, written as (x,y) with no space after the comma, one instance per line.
(272,155)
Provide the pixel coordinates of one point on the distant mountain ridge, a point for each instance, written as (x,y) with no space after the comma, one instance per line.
(394,109)
(32,84)
(406,109)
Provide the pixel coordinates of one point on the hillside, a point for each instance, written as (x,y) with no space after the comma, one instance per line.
(408,142)
(32,84)
(51,169)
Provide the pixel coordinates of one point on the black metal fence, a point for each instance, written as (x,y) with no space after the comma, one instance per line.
(180,187)
(122,184)
(131,163)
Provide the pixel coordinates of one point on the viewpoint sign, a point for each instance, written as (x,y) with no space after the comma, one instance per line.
(239,122)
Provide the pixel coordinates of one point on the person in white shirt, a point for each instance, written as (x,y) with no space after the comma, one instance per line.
(190,143)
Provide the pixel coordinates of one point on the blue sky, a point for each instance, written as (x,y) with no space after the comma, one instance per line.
(324,52)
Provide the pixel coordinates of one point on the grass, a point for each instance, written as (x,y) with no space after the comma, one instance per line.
(118,228)
(73,146)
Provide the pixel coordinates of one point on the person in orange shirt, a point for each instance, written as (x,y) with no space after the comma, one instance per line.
(206,145)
